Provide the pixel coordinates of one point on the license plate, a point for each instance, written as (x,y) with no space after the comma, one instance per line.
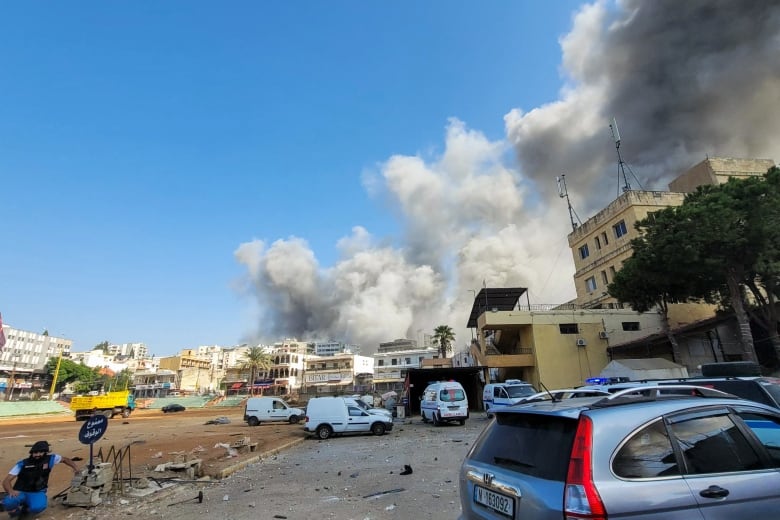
(495,501)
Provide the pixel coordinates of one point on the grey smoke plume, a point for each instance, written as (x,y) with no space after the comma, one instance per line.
(683,79)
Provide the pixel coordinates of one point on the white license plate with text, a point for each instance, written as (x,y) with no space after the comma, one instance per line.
(495,501)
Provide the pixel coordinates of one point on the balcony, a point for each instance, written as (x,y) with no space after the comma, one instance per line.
(522,357)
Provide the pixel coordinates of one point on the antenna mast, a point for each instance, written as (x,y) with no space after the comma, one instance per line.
(564,193)
(621,164)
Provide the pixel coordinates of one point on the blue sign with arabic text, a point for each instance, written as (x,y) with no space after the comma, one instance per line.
(93,429)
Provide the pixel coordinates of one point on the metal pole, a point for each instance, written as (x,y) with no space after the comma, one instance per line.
(56,375)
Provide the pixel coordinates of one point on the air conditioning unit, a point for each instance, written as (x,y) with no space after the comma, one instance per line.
(603,334)
(581,342)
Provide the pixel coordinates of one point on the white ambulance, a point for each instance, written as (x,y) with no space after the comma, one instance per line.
(444,401)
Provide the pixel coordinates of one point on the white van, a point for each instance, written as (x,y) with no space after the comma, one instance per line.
(511,391)
(265,409)
(443,402)
(328,416)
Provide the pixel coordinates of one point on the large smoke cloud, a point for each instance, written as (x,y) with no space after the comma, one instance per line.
(684,79)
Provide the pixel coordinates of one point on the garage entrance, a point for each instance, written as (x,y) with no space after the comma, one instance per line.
(469,377)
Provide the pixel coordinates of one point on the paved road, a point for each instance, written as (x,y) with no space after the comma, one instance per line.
(341,478)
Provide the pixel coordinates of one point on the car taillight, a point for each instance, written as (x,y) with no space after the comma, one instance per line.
(581,499)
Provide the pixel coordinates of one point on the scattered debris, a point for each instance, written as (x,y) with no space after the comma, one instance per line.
(157,455)
(407,470)
(218,420)
(383,493)
(199,498)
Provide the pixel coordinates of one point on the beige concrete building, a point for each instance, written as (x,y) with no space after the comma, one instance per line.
(601,244)
(717,170)
(563,345)
(554,346)
(193,374)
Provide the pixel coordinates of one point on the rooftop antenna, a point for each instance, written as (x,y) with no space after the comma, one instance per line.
(564,193)
(621,164)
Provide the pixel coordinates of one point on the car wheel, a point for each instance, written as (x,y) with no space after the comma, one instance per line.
(423,419)
(253,421)
(435,419)
(462,422)
(324,431)
(378,428)
(126,413)
(108,414)
(294,419)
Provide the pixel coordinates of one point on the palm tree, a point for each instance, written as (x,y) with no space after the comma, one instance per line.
(443,337)
(254,360)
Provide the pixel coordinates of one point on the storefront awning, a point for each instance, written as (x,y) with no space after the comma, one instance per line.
(236,386)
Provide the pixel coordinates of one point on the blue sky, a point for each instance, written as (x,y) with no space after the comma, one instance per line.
(197,173)
(142,142)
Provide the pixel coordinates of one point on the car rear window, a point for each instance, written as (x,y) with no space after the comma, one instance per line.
(531,444)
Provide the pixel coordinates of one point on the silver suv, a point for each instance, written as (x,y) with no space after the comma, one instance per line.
(671,452)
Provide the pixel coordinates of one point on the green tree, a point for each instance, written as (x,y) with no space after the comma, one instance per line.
(764,282)
(443,337)
(255,360)
(720,244)
(101,346)
(81,375)
(662,270)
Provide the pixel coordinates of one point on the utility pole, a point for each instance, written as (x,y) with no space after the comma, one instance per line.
(56,375)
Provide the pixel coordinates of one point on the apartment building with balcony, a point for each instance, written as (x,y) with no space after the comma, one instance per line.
(338,374)
(394,359)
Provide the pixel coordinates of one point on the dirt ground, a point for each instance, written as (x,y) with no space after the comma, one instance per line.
(153,438)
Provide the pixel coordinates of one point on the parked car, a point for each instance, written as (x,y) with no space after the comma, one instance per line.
(174,407)
(328,416)
(764,390)
(511,391)
(649,454)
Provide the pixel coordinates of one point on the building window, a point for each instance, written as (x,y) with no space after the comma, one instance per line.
(381,362)
(630,325)
(584,253)
(420,360)
(598,243)
(604,279)
(590,284)
(568,328)
(612,271)
(620,229)
(393,361)
(604,238)
(408,361)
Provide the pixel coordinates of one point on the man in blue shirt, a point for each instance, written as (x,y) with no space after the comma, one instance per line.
(28,493)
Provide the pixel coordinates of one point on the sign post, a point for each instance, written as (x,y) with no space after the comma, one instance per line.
(92,430)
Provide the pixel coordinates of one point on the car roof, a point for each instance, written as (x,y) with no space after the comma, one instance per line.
(652,396)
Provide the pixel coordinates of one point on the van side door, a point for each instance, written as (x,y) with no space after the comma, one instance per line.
(358,420)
